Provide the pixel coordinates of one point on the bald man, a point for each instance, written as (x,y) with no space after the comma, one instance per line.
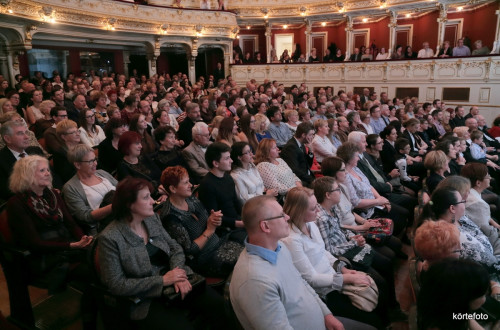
(267,291)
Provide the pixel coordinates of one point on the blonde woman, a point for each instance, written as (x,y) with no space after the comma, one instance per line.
(261,126)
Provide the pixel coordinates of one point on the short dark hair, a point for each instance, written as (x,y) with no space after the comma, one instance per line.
(215,151)
(303,128)
(161,132)
(56,109)
(272,111)
(474,172)
(129,100)
(112,124)
(435,101)
(126,194)
(237,151)
(373,108)
(331,165)
(371,140)
(436,112)
(401,143)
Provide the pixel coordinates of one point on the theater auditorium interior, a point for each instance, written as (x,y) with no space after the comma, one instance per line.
(232,164)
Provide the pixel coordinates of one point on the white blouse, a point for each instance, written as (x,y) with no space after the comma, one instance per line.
(248,183)
(95,194)
(94,139)
(279,177)
(312,260)
(322,147)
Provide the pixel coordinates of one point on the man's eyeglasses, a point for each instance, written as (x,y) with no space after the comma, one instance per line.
(334,190)
(282,215)
(461,202)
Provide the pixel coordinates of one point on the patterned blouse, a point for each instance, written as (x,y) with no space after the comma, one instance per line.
(279,177)
(359,190)
(333,235)
(476,246)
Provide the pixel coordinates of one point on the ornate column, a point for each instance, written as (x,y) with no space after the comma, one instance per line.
(268,41)
(192,60)
(496,44)
(153,56)
(348,37)
(393,24)
(443,18)
(309,38)
(126,62)
(228,53)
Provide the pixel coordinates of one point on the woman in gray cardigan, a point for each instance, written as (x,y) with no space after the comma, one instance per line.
(87,191)
(139,259)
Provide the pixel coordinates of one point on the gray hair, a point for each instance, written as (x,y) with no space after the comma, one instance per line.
(355,136)
(78,152)
(196,130)
(8,127)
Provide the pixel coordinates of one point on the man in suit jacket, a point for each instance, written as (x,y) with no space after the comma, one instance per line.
(193,115)
(15,135)
(295,155)
(53,142)
(219,73)
(356,57)
(194,153)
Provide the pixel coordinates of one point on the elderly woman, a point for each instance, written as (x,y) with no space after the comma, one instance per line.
(168,154)
(139,259)
(87,193)
(274,171)
(90,133)
(437,164)
(139,125)
(67,131)
(41,222)
(476,208)
(318,266)
(245,175)
(321,145)
(185,218)
(136,165)
(109,155)
(42,124)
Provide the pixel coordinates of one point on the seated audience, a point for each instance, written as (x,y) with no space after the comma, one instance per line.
(461,49)
(41,223)
(15,135)
(448,147)
(90,133)
(139,125)
(168,154)
(317,266)
(139,259)
(278,130)
(462,286)
(480,49)
(426,51)
(192,116)
(109,155)
(136,165)
(245,174)
(228,131)
(53,142)
(87,193)
(185,218)
(217,189)
(341,242)
(67,132)
(248,131)
(295,154)
(266,289)
(162,118)
(436,163)
(321,145)
(44,123)
(194,153)
(445,50)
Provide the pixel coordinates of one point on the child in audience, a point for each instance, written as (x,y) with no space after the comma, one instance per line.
(402,147)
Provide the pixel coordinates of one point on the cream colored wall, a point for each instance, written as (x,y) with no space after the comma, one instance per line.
(480,74)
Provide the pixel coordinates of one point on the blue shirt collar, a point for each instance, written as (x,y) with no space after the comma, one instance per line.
(266,254)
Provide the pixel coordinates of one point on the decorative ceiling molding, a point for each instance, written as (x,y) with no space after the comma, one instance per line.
(125,17)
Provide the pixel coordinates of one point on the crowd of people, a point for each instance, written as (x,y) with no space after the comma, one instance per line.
(276,188)
(363,53)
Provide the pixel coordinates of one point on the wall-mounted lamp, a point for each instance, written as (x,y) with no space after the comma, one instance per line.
(303,11)
(323,24)
(164,28)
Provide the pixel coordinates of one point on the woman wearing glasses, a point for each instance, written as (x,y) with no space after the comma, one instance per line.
(448,204)
(67,132)
(90,133)
(88,190)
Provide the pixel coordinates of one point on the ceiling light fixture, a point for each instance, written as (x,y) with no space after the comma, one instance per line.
(285,26)
(365,20)
(408,15)
(460,8)
(323,24)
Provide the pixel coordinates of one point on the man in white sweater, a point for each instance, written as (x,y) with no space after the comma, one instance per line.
(267,291)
